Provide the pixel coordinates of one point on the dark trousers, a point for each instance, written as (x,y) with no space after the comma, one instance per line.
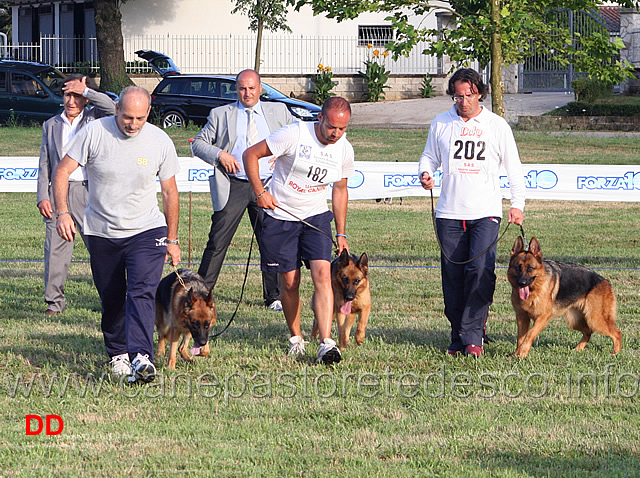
(224,224)
(126,273)
(468,289)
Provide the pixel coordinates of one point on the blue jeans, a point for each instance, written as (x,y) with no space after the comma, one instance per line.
(126,273)
(468,288)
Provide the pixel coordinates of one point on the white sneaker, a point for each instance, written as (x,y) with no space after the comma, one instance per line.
(276,305)
(328,352)
(142,369)
(296,345)
(121,365)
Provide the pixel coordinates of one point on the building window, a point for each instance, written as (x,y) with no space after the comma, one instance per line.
(376,35)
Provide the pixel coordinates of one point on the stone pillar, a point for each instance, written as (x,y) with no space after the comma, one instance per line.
(630,35)
(510,79)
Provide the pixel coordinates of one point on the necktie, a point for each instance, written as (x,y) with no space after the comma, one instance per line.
(252,129)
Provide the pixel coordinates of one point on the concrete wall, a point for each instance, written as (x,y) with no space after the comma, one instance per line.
(350,87)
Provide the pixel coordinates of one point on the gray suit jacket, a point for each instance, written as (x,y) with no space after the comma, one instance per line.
(51,149)
(219,134)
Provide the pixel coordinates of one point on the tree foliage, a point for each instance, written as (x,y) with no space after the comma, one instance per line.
(270,15)
(492,31)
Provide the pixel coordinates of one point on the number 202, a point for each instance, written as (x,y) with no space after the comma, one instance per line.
(469,150)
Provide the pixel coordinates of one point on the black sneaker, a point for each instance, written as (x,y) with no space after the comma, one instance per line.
(142,369)
(328,352)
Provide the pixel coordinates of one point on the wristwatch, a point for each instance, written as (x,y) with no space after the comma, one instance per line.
(171,241)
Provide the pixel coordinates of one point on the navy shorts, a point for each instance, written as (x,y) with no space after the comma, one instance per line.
(285,244)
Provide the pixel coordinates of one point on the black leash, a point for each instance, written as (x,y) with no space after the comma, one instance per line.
(244,282)
(435,230)
(310,225)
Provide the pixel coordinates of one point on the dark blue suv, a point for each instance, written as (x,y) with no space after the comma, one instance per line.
(29,91)
(181,99)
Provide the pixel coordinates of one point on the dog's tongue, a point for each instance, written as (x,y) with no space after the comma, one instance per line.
(195,351)
(346,308)
(524,292)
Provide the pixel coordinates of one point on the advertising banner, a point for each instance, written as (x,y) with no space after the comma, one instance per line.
(373,180)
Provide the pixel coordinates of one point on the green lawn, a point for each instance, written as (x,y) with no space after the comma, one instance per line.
(395,406)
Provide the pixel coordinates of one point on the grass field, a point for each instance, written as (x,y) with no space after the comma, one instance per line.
(395,406)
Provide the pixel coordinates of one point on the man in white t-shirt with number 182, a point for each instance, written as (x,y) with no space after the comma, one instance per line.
(310,158)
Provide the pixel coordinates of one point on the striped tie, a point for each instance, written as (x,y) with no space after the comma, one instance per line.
(252,129)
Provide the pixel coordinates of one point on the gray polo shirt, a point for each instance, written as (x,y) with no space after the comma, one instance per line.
(122,173)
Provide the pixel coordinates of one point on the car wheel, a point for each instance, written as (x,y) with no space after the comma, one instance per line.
(173,119)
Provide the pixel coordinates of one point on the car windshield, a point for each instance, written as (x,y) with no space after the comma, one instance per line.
(271,93)
(53,79)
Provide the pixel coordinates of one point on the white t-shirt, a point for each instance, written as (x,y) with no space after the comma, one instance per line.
(470,154)
(304,169)
(122,172)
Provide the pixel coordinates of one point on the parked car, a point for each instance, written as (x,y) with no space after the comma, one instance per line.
(181,99)
(29,91)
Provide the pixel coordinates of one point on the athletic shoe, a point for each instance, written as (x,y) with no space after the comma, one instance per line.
(328,352)
(142,369)
(276,305)
(455,348)
(296,345)
(473,350)
(121,365)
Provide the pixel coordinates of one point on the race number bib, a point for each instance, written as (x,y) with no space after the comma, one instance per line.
(468,152)
(314,169)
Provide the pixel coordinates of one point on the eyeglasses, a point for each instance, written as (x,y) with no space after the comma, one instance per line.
(460,99)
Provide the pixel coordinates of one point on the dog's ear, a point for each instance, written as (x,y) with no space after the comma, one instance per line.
(191,297)
(210,301)
(344,257)
(363,263)
(534,248)
(518,246)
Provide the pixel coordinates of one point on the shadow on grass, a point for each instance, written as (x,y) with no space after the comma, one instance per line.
(614,461)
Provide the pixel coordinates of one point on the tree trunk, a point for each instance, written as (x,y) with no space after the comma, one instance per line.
(113,73)
(258,45)
(497,85)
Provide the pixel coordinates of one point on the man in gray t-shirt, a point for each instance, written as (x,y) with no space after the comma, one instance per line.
(128,237)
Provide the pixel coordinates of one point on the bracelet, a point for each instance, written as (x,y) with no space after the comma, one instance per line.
(171,241)
(261,194)
(61,213)
(341,235)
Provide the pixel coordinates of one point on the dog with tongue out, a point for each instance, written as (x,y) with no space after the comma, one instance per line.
(351,296)
(542,289)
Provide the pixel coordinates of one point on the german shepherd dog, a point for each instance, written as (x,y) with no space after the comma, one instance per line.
(187,311)
(544,289)
(351,296)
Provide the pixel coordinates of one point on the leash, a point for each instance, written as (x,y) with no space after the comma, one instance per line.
(244,282)
(311,226)
(175,269)
(435,230)
(524,238)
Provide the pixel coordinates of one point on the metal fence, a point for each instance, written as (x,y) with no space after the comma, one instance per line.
(542,71)
(283,54)
(634,50)
(24,52)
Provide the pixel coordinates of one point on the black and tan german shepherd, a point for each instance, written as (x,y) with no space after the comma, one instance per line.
(184,310)
(351,296)
(544,289)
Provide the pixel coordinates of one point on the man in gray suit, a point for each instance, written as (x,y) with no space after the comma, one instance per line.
(229,131)
(56,134)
